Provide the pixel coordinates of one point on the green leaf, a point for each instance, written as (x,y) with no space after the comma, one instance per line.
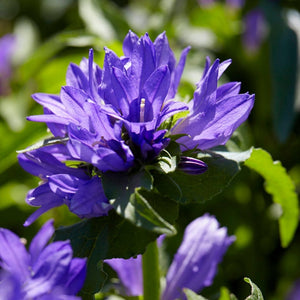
(255,291)
(281,187)
(167,186)
(104,238)
(226,295)
(284,69)
(125,193)
(192,295)
(161,211)
(222,167)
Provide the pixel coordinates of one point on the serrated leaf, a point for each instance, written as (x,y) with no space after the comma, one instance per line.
(222,167)
(104,238)
(190,295)
(255,291)
(281,187)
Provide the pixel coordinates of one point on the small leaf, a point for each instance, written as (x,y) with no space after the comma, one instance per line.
(281,187)
(190,295)
(104,238)
(226,295)
(255,291)
(222,167)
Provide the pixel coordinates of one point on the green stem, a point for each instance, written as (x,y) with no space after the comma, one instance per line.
(151,274)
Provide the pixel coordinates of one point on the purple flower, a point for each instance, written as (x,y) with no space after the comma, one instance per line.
(81,192)
(255,30)
(194,265)
(7,44)
(44,272)
(130,273)
(113,119)
(215,112)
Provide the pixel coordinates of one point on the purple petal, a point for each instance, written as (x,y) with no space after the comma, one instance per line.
(164,54)
(76,78)
(76,276)
(195,263)
(40,240)
(41,196)
(155,90)
(13,255)
(176,75)
(10,287)
(129,43)
(50,269)
(130,273)
(90,200)
(142,61)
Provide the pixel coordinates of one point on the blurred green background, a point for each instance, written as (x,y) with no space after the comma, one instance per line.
(52,33)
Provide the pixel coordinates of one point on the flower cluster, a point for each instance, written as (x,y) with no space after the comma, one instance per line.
(113,120)
(194,266)
(45,272)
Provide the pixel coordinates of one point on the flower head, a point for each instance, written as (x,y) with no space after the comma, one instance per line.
(44,272)
(113,119)
(194,265)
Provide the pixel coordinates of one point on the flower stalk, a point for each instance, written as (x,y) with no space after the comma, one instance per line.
(151,274)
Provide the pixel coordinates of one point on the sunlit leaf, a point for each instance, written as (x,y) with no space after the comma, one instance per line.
(255,291)
(281,187)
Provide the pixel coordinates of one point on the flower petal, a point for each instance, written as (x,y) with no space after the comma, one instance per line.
(13,255)
(195,263)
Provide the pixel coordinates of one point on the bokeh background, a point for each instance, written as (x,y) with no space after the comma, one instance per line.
(261,37)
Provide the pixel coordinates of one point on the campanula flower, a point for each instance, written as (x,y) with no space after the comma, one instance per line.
(194,265)
(112,119)
(214,112)
(43,272)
